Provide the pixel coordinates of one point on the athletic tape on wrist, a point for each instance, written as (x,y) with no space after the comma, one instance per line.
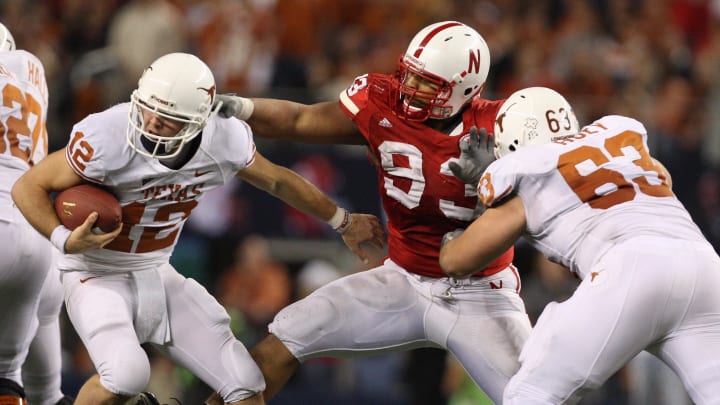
(247,108)
(59,237)
(341,220)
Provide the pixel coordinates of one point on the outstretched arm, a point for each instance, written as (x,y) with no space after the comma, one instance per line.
(323,123)
(294,190)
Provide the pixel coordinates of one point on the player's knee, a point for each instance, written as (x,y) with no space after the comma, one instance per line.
(248,379)
(11,389)
(305,321)
(521,393)
(128,372)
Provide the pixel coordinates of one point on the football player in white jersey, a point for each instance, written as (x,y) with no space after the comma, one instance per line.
(31,328)
(159,154)
(595,201)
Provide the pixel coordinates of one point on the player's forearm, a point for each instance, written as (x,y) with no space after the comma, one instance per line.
(460,258)
(276,119)
(320,123)
(299,193)
(35,204)
(31,192)
(491,234)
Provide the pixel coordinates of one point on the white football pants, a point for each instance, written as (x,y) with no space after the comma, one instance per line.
(481,321)
(648,293)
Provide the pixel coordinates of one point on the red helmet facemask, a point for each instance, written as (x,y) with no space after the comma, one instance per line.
(449,61)
(413,104)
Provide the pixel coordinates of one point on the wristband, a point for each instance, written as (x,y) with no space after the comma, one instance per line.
(59,237)
(246,109)
(341,220)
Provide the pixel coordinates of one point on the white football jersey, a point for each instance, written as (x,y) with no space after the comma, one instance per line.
(156,200)
(23,112)
(584,193)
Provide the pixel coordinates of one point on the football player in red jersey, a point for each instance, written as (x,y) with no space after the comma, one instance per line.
(412,123)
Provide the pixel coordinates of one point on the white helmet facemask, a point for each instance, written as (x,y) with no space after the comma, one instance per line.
(450,57)
(178,87)
(532,116)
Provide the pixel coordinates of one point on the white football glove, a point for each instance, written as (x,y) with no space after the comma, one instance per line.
(234,106)
(476,154)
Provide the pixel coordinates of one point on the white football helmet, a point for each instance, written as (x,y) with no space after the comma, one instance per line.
(7,42)
(448,54)
(177,86)
(531,116)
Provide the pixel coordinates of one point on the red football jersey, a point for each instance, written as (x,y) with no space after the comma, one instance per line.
(420,196)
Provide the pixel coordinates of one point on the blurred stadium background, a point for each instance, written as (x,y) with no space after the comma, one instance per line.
(655,60)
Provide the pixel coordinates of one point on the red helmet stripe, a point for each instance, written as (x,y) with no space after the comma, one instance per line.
(431,35)
(462,76)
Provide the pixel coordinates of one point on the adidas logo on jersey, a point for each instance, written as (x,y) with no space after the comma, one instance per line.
(385,123)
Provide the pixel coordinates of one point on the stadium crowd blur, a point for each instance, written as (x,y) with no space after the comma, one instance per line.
(655,60)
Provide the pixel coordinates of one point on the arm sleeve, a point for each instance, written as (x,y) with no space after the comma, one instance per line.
(498,181)
(354,98)
(88,153)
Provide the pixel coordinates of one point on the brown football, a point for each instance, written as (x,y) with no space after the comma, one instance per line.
(74,204)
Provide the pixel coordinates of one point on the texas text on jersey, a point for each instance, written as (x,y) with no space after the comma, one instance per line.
(156,199)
